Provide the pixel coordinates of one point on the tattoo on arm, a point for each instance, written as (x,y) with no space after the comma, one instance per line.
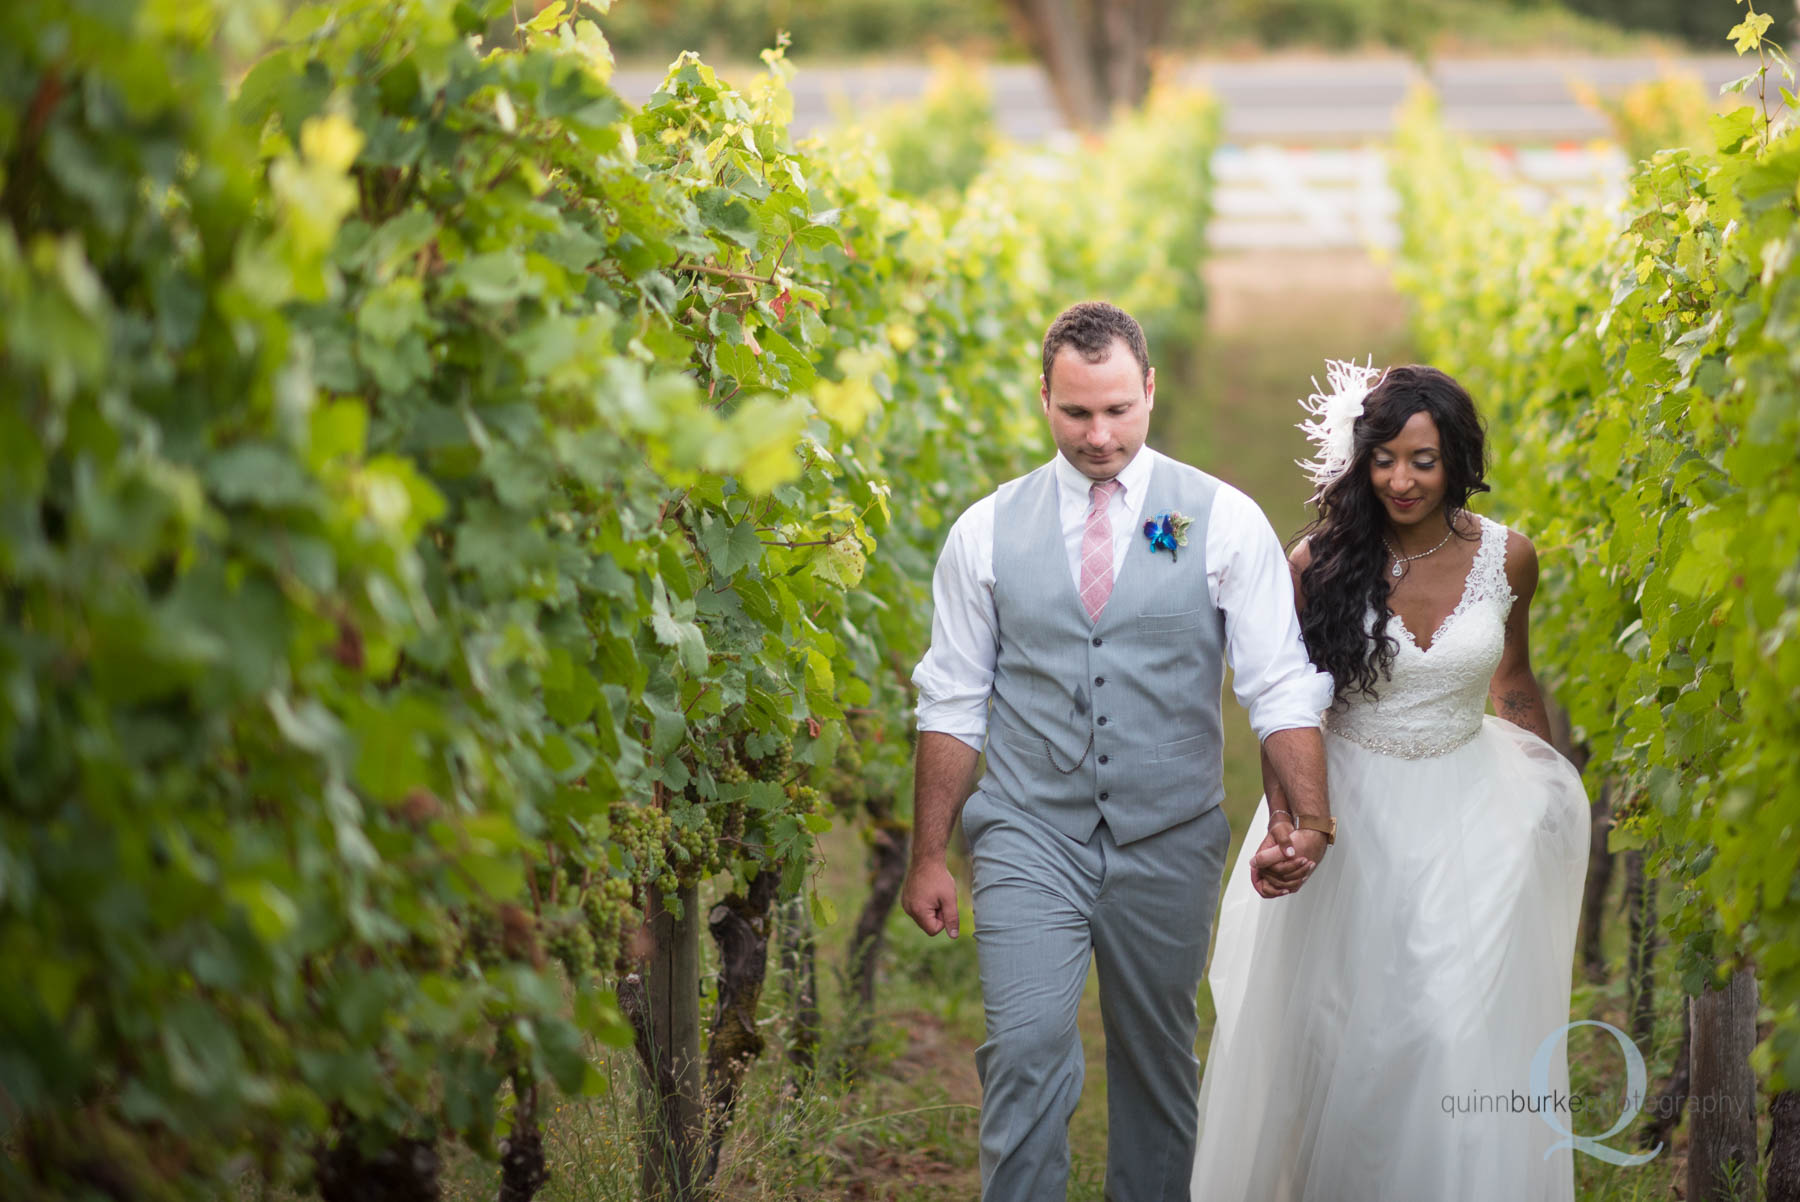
(1515,704)
(1524,708)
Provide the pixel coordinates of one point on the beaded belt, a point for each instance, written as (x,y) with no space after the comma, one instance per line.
(1405,749)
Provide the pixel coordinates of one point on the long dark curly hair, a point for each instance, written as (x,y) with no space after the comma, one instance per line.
(1347,575)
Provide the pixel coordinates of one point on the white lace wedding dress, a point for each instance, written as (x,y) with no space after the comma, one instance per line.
(1373,1027)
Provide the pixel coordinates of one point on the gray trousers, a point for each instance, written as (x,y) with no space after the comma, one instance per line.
(1043,904)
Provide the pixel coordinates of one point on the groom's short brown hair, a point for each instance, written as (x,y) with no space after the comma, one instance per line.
(1090,328)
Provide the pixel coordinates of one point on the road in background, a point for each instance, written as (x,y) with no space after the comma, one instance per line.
(1287,99)
(1302,166)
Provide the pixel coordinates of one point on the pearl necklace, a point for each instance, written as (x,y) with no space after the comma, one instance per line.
(1400,559)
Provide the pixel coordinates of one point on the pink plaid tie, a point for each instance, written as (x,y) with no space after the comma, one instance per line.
(1096,550)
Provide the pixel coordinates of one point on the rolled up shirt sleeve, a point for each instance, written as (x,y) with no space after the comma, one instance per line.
(956,677)
(1271,674)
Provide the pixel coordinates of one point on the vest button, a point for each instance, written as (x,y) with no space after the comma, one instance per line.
(1102,720)
(1103,759)
(1104,796)
(1096,642)
(1099,680)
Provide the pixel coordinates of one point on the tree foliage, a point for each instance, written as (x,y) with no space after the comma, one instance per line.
(1639,369)
(441,504)
(1696,21)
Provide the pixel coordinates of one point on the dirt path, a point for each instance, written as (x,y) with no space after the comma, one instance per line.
(1229,408)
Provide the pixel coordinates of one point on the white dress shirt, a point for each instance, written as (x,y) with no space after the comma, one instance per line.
(1247,579)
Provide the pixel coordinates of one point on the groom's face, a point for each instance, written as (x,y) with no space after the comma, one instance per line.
(1099,412)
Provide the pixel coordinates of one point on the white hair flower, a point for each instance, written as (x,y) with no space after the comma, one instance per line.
(1331,426)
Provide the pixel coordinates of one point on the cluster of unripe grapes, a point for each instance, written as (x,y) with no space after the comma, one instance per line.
(804,800)
(730,771)
(849,783)
(587,937)
(482,938)
(591,911)
(608,907)
(776,765)
(569,940)
(694,852)
(434,949)
(641,832)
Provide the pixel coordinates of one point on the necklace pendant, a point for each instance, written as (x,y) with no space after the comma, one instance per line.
(1396,569)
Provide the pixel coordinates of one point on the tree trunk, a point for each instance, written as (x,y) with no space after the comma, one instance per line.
(405,1170)
(1672,1101)
(1640,960)
(1599,880)
(800,978)
(1722,1134)
(1600,860)
(740,928)
(1783,1153)
(887,873)
(663,1006)
(1054,32)
(1123,51)
(1095,52)
(522,1169)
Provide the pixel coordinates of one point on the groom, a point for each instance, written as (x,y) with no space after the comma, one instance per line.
(1096,828)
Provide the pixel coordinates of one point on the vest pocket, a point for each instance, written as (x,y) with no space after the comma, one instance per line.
(1182,749)
(1018,740)
(1186,620)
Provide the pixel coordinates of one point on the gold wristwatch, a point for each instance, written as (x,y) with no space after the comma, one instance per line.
(1326,826)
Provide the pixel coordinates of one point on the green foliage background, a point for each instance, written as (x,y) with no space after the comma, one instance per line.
(443,504)
(1642,367)
(1696,21)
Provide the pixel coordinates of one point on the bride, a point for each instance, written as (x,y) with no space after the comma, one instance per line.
(1376,1030)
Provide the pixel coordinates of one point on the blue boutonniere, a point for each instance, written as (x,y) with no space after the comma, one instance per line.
(1168,532)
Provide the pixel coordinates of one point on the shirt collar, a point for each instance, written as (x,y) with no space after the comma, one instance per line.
(1134,475)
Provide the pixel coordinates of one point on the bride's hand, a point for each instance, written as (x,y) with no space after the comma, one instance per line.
(1285,858)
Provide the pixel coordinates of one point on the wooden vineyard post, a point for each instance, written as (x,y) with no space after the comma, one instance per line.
(663,1004)
(1599,878)
(1722,1103)
(1784,1147)
(1640,957)
(800,976)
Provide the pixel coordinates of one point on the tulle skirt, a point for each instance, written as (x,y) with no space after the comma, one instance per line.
(1376,1031)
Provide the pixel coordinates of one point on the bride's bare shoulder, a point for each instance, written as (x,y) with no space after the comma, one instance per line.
(1521,564)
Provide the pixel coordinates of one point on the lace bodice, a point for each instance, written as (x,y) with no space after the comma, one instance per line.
(1435,701)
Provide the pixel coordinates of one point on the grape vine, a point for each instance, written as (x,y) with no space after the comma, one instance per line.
(1639,371)
(442,503)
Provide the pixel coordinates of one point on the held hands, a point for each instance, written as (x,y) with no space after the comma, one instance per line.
(1293,764)
(1285,858)
(929,897)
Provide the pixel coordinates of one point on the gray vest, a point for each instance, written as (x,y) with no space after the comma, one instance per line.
(1115,719)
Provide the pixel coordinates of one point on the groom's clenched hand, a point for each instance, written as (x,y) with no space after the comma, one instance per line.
(929,896)
(943,778)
